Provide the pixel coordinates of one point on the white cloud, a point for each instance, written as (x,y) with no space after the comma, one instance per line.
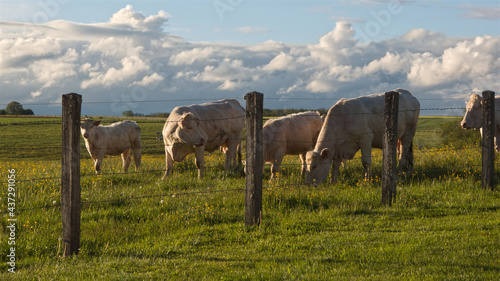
(280,62)
(130,66)
(466,61)
(52,71)
(135,19)
(229,74)
(152,79)
(336,46)
(190,56)
(108,61)
(36,94)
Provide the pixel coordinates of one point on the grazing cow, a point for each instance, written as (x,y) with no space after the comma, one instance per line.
(117,138)
(204,127)
(293,134)
(473,118)
(358,123)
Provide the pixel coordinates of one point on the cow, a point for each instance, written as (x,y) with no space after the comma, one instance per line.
(293,134)
(117,138)
(358,123)
(204,127)
(473,118)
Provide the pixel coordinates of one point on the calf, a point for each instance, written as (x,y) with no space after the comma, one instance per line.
(117,138)
(293,134)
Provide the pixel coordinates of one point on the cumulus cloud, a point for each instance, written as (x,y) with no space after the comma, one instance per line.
(462,62)
(130,67)
(138,20)
(190,56)
(131,59)
(152,79)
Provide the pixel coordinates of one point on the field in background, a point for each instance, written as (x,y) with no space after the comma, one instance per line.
(40,137)
(134,226)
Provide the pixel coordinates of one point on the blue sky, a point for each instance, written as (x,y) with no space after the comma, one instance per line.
(224,48)
(294,22)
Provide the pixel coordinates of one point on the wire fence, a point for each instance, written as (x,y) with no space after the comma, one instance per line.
(160,145)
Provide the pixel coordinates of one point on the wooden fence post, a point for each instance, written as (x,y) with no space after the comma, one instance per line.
(70,173)
(488,148)
(254,158)
(389,144)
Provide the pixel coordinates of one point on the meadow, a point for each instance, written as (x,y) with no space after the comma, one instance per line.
(443,226)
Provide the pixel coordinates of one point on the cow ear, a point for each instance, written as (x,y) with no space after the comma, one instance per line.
(97,123)
(184,124)
(324,153)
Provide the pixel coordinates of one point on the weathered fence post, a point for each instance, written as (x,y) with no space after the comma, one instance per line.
(389,144)
(70,173)
(488,148)
(254,158)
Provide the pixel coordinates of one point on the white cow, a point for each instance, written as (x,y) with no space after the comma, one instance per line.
(358,123)
(473,118)
(117,138)
(293,134)
(204,127)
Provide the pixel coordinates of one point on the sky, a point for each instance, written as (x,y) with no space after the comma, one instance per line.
(150,56)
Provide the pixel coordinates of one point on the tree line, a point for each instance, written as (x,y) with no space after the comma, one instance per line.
(15,108)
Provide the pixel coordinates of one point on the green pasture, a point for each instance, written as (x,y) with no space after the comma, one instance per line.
(443,226)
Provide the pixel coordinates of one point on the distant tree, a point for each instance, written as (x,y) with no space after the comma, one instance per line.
(160,114)
(3,112)
(28,112)
(128,113)
(15,108)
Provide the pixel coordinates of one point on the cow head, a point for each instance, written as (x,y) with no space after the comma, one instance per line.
(473,113)
(86,127)
(190,131)
(318,166)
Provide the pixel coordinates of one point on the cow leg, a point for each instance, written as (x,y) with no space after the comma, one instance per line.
(275,168)
(405,154)
(169,160)
(97,165)
(304,165)
(366,159)
(200,160)
(406,157)
(276,162)
(126,160)
(231,150)
(137,157)
(335,170)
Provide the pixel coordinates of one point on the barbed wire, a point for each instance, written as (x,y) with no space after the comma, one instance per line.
(58,103)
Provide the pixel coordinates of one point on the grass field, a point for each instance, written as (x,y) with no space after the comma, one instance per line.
(137,227)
